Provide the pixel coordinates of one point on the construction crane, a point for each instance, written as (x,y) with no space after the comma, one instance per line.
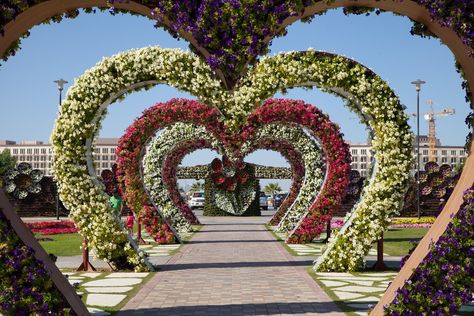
(430,117)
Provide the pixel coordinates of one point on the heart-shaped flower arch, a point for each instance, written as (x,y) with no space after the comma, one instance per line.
(450,21)
(367,94)
(287,150)
(293,143)
(236,146)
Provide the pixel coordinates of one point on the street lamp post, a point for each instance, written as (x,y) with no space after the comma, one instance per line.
(418,84)
(60,83)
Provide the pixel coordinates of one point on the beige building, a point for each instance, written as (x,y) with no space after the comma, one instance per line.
(39,155)
(362,155)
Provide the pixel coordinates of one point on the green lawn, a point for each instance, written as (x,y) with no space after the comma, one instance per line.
(397,240)
(62,244)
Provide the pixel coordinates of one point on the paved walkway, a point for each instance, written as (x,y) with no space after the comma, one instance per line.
(233,266)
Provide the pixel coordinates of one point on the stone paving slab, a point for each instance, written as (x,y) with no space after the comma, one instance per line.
(233,266)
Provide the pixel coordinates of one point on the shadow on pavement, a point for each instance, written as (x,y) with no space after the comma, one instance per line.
(225,265)
(299,308)
(229,241)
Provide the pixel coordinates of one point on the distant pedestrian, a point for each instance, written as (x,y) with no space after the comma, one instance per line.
(130,222)
(116,203)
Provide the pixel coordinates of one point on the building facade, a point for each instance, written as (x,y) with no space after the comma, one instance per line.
(363,156)
(40,155)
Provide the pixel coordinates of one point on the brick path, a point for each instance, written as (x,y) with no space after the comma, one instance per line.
(233,266)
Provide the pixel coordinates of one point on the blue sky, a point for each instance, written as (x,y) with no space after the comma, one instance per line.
(29,98)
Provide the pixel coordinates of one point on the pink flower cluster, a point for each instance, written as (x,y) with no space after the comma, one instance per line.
(170,167)
(130,151)
(287,150)
(52,228)
(335,149)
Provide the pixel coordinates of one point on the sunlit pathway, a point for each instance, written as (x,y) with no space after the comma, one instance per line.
(233,266)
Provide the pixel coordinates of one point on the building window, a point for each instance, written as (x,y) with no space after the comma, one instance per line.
(363,159)
(444,159)
(113,157)
(112,150)
(105,165)
(37,151)
(105,150)
(36,158)
(436,153)
(97,150)
(363,151)
(105,158)
(363,166)
(43,151)
(444,152)
(453,159)
(425,159)
(461,153)
(354,151)
(354,166)
(15,151)
(29,151)
(22,151)
(363,173)
(21,158)
(28,158)
(49,165)
(354,159)
(425,152)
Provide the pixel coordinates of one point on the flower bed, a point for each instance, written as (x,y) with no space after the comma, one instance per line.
(397,223)
(52,228)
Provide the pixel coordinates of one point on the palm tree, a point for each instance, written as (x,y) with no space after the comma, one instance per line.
(272,188)
(197,186)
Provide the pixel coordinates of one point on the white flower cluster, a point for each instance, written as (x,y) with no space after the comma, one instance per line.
(79,123)
(378,107)
(313,165)
(170,138)
(232,204)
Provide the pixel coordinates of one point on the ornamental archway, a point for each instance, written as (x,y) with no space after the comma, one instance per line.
(417,12)
(87,100)
(203,129)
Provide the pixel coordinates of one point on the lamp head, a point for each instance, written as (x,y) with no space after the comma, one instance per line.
(418,84)
(60,83)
